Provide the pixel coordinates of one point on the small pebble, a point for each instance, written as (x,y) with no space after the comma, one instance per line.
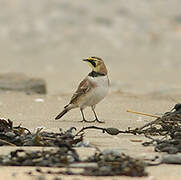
(39,100)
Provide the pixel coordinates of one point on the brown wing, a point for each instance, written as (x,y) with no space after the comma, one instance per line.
(84,87)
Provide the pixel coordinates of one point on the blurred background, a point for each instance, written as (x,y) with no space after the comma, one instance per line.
(139,40)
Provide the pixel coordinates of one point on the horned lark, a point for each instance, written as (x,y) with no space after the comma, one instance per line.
(91,90)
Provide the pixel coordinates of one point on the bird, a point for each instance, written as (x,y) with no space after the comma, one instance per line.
(91,90)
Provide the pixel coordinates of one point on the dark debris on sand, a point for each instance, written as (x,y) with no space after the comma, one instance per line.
(64,155)
(168,126)
(106,163)
(60,157)
(111,163)
(20,136)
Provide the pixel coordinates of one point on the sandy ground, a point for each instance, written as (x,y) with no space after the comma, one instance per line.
(24,109)
(140,42)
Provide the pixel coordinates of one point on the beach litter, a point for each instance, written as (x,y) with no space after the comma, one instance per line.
(102,163)
(20,136)
(167,128)
(64,154)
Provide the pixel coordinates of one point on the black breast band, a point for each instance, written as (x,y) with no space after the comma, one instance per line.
(95,74)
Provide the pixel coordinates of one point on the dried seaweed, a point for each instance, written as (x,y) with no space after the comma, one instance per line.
(170,145)
(106,163)
(20,136)
(60,157)
(113,163)
(168,126)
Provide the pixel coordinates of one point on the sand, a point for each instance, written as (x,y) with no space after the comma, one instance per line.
(140,42)
(25,109)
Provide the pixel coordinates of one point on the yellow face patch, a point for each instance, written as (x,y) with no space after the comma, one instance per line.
(92,58)
(93,63)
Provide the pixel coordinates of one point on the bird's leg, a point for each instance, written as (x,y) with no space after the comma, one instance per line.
(96,118)
(83,120)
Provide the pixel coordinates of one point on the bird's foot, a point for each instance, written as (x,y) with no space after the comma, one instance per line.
(84,120)
(96,120)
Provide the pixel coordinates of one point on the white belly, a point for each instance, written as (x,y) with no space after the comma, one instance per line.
(98,93)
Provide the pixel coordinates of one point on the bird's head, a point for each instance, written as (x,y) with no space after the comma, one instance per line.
(97,64)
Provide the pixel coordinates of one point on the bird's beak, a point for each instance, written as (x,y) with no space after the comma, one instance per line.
(85,59)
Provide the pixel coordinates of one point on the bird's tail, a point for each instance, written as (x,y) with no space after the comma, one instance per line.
(66,109)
